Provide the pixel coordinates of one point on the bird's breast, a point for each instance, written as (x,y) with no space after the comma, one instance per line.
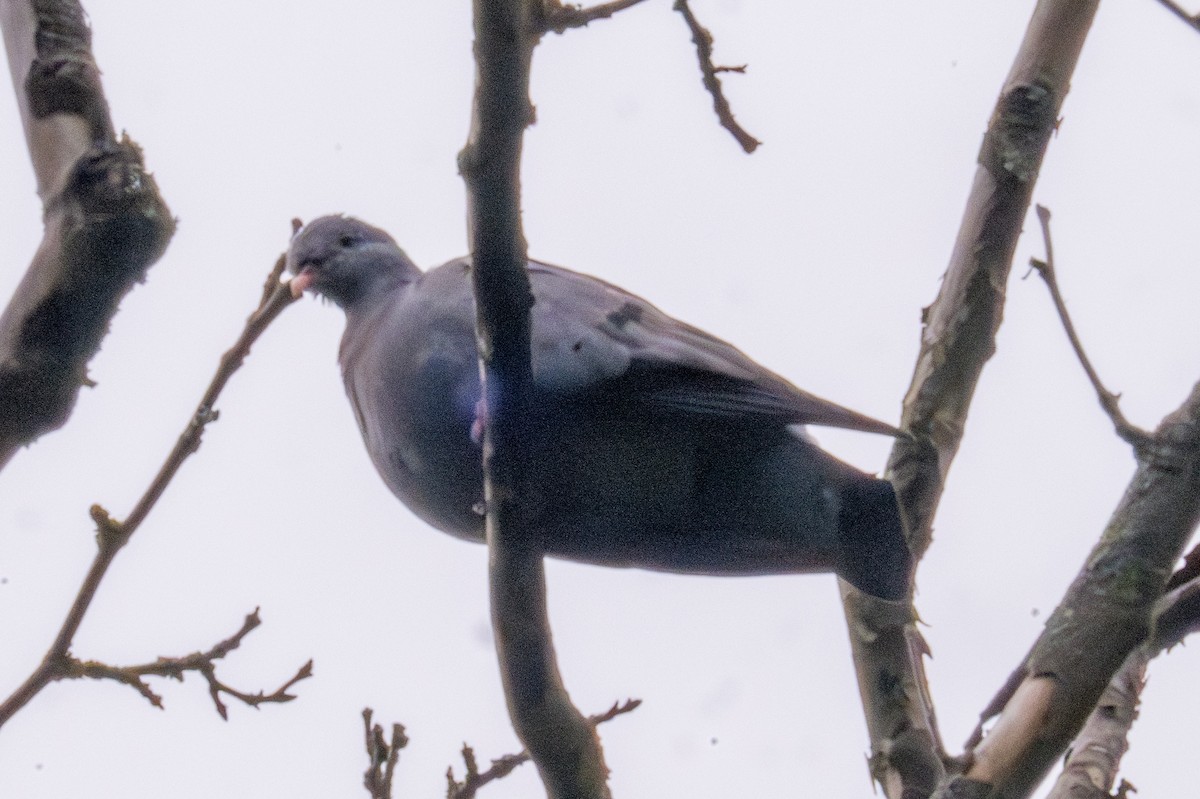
(415,403)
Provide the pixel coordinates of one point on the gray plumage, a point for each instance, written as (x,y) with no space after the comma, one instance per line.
(654,444)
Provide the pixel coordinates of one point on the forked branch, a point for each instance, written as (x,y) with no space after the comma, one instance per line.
(382,756)
(203,663)
(474,779)
(112,535)
(709,71)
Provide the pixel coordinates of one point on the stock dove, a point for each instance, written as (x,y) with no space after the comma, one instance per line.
(653,444)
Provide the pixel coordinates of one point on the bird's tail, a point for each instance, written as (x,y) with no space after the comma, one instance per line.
(875,557)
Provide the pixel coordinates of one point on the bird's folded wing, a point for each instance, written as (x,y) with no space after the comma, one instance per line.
(588,334)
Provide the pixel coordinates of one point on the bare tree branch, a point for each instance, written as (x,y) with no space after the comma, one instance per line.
(558,17)
(704,41)
(1092,763)
(563,745)
(957,340)
(1095,755)
(383,755)
(1192,20)
(1107,612)
(112,535)
(1139,438)
(474,779)
(201,662)
(105,222)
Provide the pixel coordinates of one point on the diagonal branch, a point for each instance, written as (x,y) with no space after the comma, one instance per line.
(1114,607)
(557,17)
(105,222)
(708,72)
(112,535)
(563,745)
(1109,609)
(1192,20)
(1095,754)
(957,340)
(1108,400)
(1177,613)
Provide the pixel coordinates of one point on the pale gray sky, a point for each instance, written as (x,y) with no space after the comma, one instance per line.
(815,255)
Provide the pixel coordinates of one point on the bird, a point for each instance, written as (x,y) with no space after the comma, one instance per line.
(650,444)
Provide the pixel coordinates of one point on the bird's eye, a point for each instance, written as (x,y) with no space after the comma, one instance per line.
(347,240)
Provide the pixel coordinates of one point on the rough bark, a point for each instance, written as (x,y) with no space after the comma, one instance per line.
(1095,756)
(957,340)
(1108,611)
(105,222)
(561,742)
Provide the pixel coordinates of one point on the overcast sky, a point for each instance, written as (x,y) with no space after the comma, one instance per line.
(815,255)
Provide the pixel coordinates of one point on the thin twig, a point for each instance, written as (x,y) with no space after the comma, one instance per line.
(559,17)
(1109,401)
(704,41)
(201,662)
(1192,20)
(112,535)
(189,441)
(474,779)
(383,755)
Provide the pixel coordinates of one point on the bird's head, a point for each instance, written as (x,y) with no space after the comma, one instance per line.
(347,261)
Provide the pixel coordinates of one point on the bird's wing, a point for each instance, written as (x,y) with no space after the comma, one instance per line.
(588,333)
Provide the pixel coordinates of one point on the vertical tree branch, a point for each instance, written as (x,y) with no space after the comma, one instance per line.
(382,756)
(559,739)
(105,222)
(957,340)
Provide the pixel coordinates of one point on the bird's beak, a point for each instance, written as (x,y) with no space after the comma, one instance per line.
(301,282)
